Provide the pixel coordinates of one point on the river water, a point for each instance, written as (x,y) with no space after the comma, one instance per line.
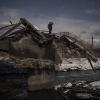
(87,75)
(13,84)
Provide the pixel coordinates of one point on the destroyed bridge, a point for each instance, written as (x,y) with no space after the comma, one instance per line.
(18,40)
(24,46)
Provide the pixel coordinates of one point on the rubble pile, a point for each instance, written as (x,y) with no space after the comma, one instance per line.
(80,90)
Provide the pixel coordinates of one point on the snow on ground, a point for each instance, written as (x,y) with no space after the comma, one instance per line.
(78,63)
(95,84)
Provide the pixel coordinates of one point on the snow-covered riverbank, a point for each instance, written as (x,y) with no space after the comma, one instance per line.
(80,90)
(78,63)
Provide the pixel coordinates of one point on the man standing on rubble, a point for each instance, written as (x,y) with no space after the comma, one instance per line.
(50,27)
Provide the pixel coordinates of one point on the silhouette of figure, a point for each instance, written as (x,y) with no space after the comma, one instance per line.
(50,27)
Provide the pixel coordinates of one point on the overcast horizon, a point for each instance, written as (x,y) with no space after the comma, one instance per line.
(81,17)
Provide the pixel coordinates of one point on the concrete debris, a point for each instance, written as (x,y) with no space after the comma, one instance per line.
(78,91)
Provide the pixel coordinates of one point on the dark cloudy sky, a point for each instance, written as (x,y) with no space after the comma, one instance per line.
(82,17)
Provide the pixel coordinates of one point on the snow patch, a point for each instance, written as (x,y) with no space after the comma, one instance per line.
(95,84)
(78,63)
